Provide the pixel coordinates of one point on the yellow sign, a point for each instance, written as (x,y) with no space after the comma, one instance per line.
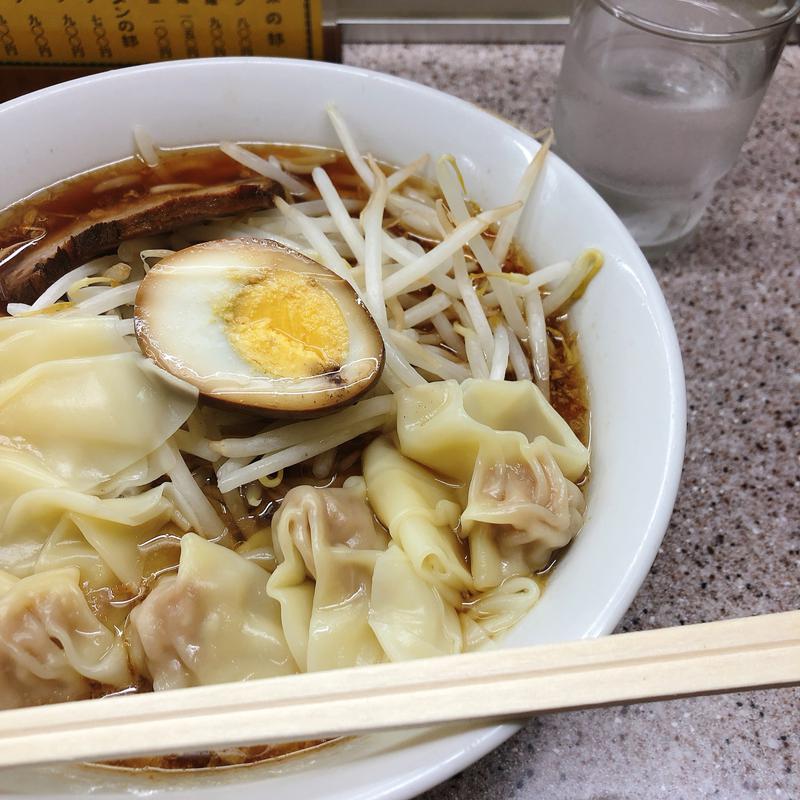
(99,32)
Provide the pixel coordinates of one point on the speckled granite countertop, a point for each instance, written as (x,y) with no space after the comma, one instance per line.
(733,546)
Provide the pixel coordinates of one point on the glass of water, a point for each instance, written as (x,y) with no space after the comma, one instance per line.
(655,99)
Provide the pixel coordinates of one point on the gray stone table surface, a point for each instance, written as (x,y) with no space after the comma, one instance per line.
(733,546)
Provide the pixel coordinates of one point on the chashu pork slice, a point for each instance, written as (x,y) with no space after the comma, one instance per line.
(28,269)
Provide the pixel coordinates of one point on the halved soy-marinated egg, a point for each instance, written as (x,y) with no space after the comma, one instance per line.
(254,323)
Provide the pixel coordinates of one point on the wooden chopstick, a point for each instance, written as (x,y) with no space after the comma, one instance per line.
(750,653)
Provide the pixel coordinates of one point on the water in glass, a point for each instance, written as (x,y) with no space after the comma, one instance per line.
(653,123)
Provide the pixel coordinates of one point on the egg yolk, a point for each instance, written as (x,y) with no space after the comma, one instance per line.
(287,325)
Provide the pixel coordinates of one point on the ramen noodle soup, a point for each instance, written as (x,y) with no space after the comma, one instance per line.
(267,409)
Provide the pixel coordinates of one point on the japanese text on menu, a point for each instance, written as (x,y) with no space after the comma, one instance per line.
(97,32)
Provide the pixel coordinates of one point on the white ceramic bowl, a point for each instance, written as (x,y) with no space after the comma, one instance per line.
(627,339)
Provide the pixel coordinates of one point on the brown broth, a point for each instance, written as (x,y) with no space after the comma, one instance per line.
(232,757)
(49,211)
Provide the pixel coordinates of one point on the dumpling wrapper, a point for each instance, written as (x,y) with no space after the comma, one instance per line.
(28,341)
(212,622)
(260,549)
(409,616)
(52,647)
(138,474)
(42,519)
(443,424)
(87,419)
(421,514)
(66,547)
(21,472)
(327,544)
(495,611)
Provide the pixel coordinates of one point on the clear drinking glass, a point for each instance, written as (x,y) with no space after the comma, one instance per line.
(655,98)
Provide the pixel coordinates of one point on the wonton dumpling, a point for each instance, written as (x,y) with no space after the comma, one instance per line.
(19,473)
(260,549)
(421,514)
(7,580)
(495,611)
(90,418)
(410,618)
(212,622)
(327,544)
(521,508)
(114,528)
(66,547)
(28,341)
(51,645)
(444,424)
(141,473)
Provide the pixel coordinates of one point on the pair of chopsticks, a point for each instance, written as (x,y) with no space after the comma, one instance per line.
(750,653)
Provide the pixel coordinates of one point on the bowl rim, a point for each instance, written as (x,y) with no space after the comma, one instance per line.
(486,738)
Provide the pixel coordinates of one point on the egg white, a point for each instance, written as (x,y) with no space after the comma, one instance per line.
(179,323)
